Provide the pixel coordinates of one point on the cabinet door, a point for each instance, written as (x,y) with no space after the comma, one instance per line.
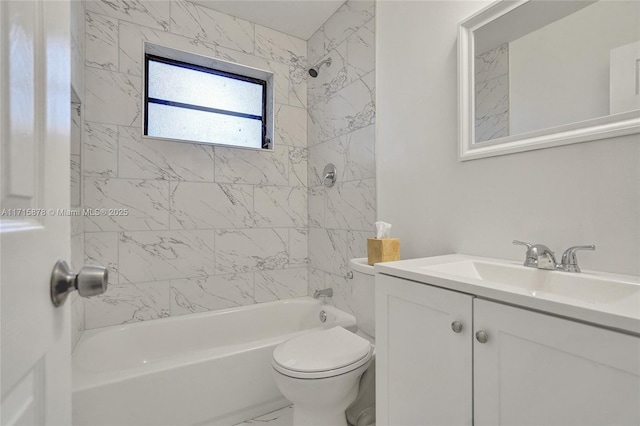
(423,367)
(536,369)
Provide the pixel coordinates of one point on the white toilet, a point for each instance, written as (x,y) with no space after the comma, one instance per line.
(320,371)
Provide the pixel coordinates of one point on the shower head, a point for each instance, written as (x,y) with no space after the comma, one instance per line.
(313,71)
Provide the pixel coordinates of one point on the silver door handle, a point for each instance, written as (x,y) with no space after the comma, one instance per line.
(89,281)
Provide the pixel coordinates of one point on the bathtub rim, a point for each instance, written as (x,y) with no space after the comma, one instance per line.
(83,379)
(147,323)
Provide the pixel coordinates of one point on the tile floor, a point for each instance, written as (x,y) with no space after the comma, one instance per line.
(281,417)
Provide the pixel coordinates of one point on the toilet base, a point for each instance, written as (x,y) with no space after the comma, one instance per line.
(321,402)
(325,401)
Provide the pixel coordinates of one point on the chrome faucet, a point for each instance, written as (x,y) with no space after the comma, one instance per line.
(541,257)
(538,256)
(569,262)
(326,292)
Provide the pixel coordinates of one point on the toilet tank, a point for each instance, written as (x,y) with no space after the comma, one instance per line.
(363,290)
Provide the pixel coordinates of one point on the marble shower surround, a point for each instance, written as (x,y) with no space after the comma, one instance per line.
(77,38)
(209,227)
(341,116)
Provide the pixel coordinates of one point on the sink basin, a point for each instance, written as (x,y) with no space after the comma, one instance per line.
(605,299)
(584,286)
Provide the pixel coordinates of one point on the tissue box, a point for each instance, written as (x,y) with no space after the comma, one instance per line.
(383,250)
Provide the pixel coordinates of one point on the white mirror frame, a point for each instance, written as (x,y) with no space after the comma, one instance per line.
(598,128)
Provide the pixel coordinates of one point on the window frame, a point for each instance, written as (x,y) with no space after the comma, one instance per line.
(265,143)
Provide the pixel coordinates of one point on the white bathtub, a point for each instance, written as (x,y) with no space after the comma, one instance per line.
(209,368)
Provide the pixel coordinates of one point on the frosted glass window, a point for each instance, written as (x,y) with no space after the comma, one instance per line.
(198,126)
(193,87)
(194,103)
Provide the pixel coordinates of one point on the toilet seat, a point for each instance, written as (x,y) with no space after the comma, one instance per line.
(321,354)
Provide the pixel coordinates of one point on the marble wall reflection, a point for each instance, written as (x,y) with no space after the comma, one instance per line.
(77,41)
(208,227)
(341,115)
(492,94)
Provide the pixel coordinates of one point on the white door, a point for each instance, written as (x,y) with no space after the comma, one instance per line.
(624,78)
(536,369)
(34,124)
(423,366)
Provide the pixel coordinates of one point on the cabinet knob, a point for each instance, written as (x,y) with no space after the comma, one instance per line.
(481,336)
(456,326)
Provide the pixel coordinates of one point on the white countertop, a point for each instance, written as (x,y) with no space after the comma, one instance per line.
(614,309)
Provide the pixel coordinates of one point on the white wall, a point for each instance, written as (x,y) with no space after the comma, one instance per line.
(545,89)
(586,193)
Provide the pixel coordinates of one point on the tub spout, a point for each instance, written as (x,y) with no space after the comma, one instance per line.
(326,292)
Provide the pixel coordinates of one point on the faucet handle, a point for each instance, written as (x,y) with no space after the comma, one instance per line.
(569,260)
(531,259)
(522,243)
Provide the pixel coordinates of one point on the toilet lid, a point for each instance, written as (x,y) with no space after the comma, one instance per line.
(321,350)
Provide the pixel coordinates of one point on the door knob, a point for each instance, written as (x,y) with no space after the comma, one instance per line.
(89,281)
(456,326)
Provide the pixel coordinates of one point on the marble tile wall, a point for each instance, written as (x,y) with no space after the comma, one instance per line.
(341,115)
(492,94)
(208,227)
(77,37)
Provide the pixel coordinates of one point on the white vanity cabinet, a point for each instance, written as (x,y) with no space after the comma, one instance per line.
(423,368)
(538,369)
(533,368)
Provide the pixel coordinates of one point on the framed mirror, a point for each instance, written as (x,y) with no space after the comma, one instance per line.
(536,74)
